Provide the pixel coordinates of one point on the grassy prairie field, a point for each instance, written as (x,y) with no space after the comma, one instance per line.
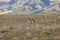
(30,27)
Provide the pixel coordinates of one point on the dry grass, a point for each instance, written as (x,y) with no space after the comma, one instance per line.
(30,27)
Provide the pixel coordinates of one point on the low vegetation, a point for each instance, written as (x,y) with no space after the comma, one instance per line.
(30,27)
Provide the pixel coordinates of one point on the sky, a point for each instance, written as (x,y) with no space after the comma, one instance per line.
(5,0)
(8,1)
(51,0)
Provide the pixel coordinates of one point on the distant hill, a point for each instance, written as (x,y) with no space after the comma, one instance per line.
(29,6)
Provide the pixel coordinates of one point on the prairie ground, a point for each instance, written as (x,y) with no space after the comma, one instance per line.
(30,27)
